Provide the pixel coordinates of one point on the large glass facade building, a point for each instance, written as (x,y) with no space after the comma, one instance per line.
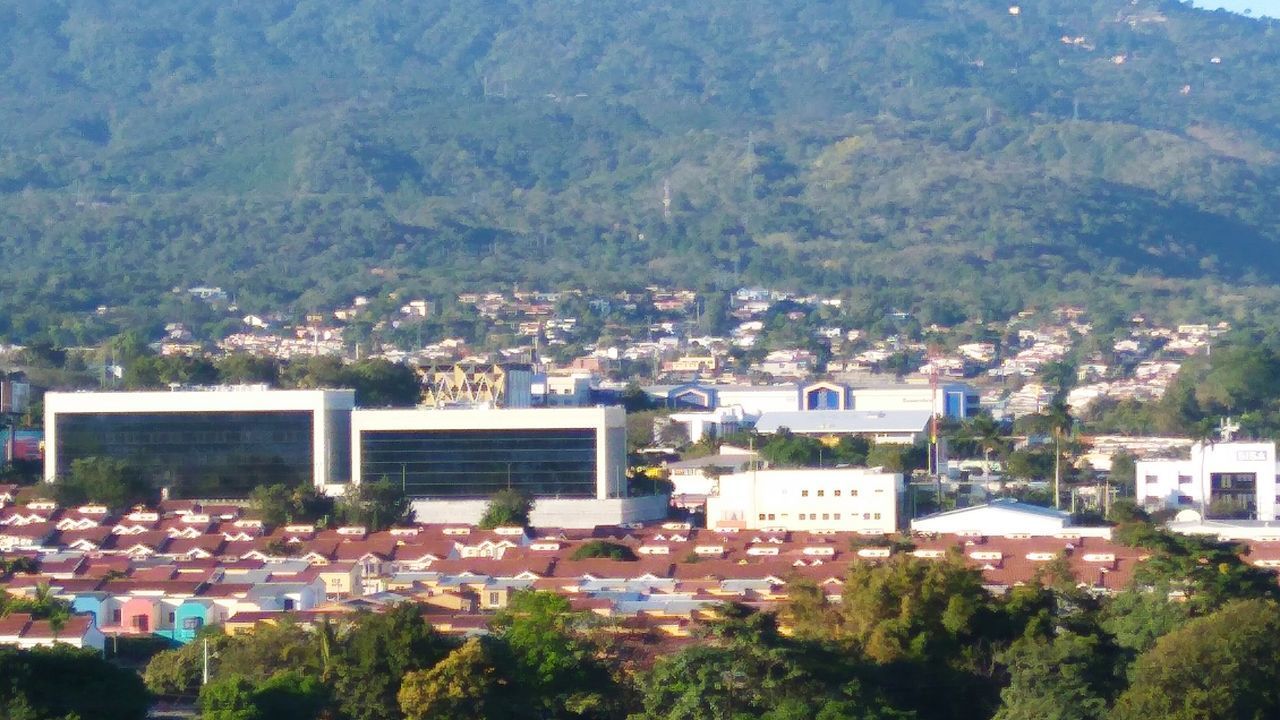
(477,462)
(457,454)
(206,443)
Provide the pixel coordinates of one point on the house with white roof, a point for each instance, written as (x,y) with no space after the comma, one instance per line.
(1005,518)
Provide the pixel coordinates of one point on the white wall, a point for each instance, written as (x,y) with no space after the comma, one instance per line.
(561,513)
(851,499)
(758,400)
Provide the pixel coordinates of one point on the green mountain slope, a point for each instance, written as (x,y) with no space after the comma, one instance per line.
(1124,152)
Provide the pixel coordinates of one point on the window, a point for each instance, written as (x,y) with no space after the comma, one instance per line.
(1151,479)
(115,617)
(1184,500)
(866,516)
(836,516)
(820,493)
(836,493)
(877,516)
(1184,479)
(171,618)
(853,493)
(771,517)
(804,493)
(761,516)
(494,599)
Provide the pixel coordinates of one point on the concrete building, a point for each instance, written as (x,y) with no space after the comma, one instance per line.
(1005,518)
(954,400)
(561,390)
(572,461)
(1224,480)
(883,426)
(211,442)
(851,499)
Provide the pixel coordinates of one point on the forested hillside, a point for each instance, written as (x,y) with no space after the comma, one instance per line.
(296,152)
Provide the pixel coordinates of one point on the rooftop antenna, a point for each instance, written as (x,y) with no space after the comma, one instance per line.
(1227,429)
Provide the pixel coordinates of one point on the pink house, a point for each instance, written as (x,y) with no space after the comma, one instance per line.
(138,615)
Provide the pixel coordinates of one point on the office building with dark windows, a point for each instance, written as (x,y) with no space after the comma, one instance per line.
(571,461)
(207,443)
(545,452)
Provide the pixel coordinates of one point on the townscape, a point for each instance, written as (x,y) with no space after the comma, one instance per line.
(787,360)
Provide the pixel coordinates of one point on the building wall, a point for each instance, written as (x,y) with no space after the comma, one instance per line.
(951,400)
(1187,483)
(852,499)
(552,512)
(762,399)
(321,404)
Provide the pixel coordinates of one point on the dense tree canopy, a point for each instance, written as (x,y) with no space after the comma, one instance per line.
(296,157)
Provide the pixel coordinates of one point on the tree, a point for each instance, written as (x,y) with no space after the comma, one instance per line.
(279,504)
(556,668)
(178,671)
(381,383)
(64,682)
(897,458)
(291,695)
(1223,666)
(231,698)
(109,481)
(742,667)
(238,368)
(376,654)
(1067,677)
(602,549)
(463,686)
(1029,464)
(1124,472)
(374,505)
(272,503)
(507,508)
(1138,618)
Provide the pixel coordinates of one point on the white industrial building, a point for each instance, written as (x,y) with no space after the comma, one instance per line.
(902,427)
(850,499)
(1235,480)
(223,436)
(1005,518)
(714,410)
(955,400)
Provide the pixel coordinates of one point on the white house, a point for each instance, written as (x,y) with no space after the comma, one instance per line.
(1222,480)
(1005,518)
(848,499)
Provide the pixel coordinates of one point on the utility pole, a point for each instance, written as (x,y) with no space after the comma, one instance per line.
(1057,473)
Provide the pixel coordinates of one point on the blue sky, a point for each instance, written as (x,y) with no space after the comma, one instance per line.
(1260,7)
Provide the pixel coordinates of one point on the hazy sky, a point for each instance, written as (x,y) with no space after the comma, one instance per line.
(1259,7)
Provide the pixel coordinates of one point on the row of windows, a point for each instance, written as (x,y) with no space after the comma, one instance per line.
(835,493)
(196,454)
(477,463)
(825,516)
